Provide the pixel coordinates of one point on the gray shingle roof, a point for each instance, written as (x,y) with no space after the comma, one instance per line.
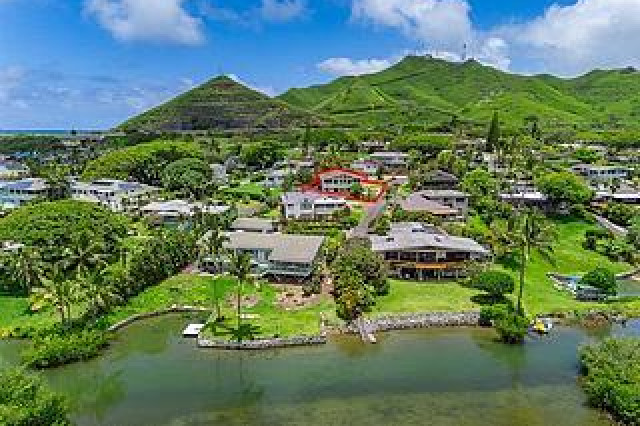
(417,240)
(253,224)
(283,247)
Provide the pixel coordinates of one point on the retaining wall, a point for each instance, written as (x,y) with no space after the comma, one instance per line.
(262,344)
(419,320)
(172,310)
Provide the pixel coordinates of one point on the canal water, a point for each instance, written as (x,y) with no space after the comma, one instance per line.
(151,376)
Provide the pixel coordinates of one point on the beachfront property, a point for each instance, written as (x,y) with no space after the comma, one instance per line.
(310,206)
(175,211)
(118,195)
(446,204)
(278,256)
(418,252)
(392,160)
(599,174)
(254,225)
(369,167)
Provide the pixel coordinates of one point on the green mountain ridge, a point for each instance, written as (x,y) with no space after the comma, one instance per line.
(431,89)
(417,89)
(219,104)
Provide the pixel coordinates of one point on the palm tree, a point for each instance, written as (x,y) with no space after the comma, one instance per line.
(527,232)
(241,269)
(26,267)
(100,294)
(58,291)
(214,248)
(85,254)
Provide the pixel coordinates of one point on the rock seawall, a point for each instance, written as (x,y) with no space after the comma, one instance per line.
(419,320)
(263,343)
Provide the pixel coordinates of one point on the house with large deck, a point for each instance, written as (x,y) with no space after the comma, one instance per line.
(418,252)
(278,256)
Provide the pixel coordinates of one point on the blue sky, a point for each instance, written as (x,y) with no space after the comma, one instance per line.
(93,63)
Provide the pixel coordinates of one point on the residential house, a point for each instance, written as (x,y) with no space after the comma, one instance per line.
(339,180)
(276,178)
(254,225)
(279,256)
(175,211)
(306,205)
(438,179)
(419,253)
(527,199)
(392,160)
(600,174)
(118,195)
(18,193)
(445,204)
(11,170)
(369,167)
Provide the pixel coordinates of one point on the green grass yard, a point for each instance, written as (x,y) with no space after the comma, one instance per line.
(426,296)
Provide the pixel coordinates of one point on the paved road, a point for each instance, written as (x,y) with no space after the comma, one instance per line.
(370,215)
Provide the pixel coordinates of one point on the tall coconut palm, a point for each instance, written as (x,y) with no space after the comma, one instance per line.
(58,291)
(241,269)
(213,246)
(99,293)
(26,267)
(527,232)
(85,254)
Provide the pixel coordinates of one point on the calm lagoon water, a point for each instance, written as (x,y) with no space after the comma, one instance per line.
(151,376)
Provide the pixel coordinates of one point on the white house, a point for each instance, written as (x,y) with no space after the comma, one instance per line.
(369,167)
(301,205)
(601,173)
(175,210)
(276,178)
(391,159)
(340,180)
(17,193)
(118,195)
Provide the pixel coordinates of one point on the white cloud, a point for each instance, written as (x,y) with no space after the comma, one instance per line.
(10,78)
(574,38)
(266,90)
(282,10)
(146,20)
(442,24)
(347,66)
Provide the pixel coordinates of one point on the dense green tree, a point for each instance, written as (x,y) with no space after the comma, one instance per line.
(602,279)
(58,291)
(26,400)
(188,175)
(54,228)
(496,284)
(143,163)
(494,135)
(564,187)
(25,268)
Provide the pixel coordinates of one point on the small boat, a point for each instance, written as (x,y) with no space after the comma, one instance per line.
(542,325)
(192,330)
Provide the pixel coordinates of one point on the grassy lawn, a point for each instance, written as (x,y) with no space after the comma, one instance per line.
(184,289)
(569,258)
(426,296)
(15,314)
(253,190)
